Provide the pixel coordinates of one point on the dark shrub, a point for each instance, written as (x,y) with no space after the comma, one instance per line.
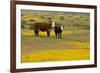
(31,26)
(22,26)
(42,17)
(62,17)
(31,20)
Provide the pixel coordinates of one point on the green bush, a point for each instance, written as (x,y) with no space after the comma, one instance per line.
(22,26)
(31,26)
(62,17)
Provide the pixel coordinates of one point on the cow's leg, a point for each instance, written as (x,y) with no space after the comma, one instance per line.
(48,33)
(36,32)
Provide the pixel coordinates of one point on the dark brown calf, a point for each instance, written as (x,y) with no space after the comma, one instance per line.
(58,30)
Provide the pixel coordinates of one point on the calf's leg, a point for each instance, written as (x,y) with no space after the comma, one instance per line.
(59,35)
(56,34)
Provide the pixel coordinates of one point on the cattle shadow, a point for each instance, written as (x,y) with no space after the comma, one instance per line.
(46,37)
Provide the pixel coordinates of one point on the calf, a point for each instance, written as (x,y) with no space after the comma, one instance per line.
(58,30)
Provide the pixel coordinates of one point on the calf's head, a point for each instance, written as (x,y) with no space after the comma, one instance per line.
(62,27)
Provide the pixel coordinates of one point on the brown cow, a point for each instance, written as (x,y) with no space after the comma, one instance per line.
(44,27)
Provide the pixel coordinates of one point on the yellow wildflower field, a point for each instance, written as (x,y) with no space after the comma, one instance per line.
(42,48)
(57,55)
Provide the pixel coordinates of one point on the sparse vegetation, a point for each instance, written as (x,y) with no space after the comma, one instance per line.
(62,17)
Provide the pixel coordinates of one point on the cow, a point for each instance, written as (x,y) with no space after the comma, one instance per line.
(58,30)
(44,27)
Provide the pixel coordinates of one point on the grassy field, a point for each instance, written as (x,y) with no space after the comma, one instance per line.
(42,48)
(74,44)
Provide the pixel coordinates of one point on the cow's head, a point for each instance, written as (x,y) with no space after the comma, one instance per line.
(53,24)
(62,27)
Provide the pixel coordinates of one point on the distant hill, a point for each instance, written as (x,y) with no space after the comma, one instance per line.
(51,13)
